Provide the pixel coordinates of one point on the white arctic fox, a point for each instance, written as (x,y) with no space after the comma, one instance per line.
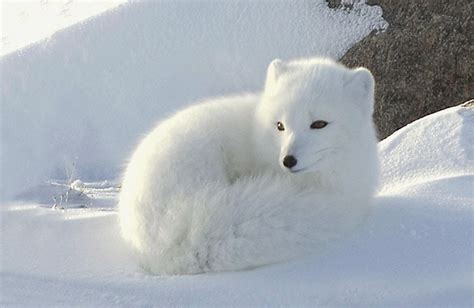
(237,182)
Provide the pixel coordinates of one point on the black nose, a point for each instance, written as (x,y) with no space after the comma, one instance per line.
(289,161)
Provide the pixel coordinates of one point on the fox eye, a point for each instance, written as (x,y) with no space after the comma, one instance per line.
(318,124)
(280,126)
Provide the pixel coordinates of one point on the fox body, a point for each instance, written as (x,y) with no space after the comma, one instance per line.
(242,181)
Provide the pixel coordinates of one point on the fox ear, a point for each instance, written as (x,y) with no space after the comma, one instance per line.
(360,84)
(275,69)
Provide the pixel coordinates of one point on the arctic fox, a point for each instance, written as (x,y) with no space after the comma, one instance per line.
(238,182)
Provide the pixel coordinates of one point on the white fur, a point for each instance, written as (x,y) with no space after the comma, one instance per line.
(206,189)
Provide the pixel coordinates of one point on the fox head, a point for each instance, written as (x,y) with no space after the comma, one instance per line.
(312,113)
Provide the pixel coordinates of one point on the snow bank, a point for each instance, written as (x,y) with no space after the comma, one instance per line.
(93,89)
(415,249)
(26,22)
(411,157)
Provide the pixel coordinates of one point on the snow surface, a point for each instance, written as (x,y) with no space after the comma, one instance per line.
(26,22)
(91,91)
(416,249)
(75,105)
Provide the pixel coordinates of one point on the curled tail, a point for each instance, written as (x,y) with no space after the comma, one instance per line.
(253,222)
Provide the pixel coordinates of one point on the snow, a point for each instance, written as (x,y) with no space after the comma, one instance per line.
(446,161)
(74,106)
(414,250)
(26,22)
(91,91)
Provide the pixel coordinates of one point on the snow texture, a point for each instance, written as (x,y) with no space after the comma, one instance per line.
(92,90)
(26,22)
(415,250)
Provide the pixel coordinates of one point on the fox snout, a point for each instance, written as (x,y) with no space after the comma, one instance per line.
(289,161)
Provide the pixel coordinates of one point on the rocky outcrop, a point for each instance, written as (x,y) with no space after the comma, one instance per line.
(422,63)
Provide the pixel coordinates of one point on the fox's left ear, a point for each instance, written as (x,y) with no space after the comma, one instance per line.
(275,69)
(360,83)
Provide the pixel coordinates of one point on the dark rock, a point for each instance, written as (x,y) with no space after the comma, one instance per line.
(338,4)
(468,104)
(422,63)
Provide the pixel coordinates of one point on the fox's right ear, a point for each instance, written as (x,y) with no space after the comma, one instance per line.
(360,83)
(275,69)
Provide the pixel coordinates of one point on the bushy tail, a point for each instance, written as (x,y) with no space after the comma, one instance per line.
(255,221)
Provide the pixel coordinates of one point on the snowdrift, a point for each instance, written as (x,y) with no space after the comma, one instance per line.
(90,92)
(415,249)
